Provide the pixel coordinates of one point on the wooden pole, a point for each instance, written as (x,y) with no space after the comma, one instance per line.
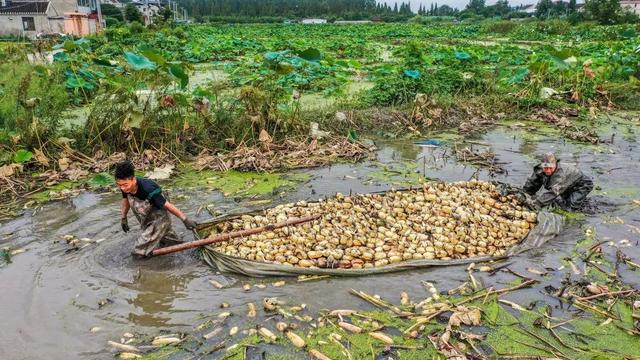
(232,235)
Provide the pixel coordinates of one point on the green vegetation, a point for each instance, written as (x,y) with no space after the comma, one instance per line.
(235,183)
(154,103)
(132,89)
(271,11)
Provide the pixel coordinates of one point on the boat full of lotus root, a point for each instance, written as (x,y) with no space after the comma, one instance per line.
(435,224)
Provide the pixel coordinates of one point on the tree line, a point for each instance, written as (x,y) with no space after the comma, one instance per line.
(296,9)
(603,11)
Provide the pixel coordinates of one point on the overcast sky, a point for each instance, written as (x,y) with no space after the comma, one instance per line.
(460,4)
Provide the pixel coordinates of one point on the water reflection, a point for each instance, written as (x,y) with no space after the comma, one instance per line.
(156,294)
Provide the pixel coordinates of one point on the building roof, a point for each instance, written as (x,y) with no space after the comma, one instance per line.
(25,7)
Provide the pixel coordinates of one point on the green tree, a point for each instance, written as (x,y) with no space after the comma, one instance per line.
(476,6)
(112,11)
(543,9)
(501,8)
(165,14)
(572,6)
(446,10)
(131,13)
(606,12)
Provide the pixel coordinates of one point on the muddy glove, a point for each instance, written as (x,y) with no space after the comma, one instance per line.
(125,224)
(528,200)
(189,224)
(545,199)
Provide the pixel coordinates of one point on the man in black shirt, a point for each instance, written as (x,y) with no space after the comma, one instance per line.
(150,206)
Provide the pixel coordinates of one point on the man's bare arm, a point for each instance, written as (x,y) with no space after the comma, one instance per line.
(175,211)
(124,208)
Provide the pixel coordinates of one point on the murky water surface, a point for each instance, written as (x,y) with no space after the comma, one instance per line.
(50,298)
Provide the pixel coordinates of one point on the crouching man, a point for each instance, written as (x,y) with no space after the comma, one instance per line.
(151,207)
(567,187)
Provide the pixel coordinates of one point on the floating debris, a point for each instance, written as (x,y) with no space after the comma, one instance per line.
(270,304)
(282,327)
(342,312)
(233,331)
(224,315)
(404,298)
(252,310)
(212,333)
(17,251)
(123,347)
(287,155)
(216,284)
(485,159)
(104,302)
(162,341)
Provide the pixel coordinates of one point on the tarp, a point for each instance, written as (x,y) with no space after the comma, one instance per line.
(548,226)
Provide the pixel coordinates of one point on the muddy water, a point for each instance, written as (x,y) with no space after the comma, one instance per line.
(50,297)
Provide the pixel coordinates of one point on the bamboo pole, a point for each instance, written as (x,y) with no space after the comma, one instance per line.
(232,235)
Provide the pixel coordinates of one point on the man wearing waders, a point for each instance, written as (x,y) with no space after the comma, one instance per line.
(567,187)
(151,207)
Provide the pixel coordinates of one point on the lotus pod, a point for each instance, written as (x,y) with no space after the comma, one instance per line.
(270,304)
(296,340)
(128,355)
(382,337)
(123,347)
(350,327)
(305,263)
(404,298)
(161,341)
(460,220)
(252,310)
(267,334)
(318,355)
(342,312)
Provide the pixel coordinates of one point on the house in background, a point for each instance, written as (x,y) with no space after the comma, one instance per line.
(631,5)
(313,21)
(35,18)
(351,22)
(528,9)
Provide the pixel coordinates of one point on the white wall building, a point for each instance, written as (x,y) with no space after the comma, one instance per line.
(631,5)
(32,18)
(314,21)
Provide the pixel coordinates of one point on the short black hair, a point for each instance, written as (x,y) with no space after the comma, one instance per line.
(124,170)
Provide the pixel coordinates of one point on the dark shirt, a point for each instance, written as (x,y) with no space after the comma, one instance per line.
(149,190)
(564,179)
